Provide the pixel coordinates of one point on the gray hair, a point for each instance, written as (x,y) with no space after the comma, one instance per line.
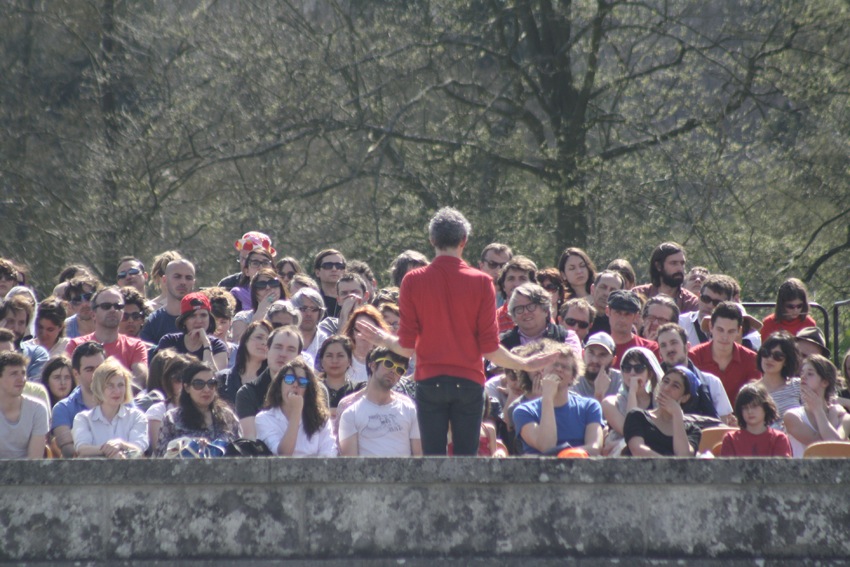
(534,293)
(448,228)
(307,293)
(287,307)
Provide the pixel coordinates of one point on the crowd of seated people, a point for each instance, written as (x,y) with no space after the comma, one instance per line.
(275,358)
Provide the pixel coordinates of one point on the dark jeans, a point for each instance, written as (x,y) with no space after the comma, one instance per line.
(444,399)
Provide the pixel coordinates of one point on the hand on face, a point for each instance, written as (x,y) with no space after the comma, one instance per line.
(549,385)
(294,404)
(669,405)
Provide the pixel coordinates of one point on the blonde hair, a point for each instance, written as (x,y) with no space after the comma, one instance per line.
(111,367)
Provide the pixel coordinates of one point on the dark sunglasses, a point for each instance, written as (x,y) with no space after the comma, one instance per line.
(199,384)
(706,299)
(399,369)
(551,287)
(80,298)
(267,283)
(310,309)
(570,322)
(776,355)
(636,368)
(495,265)
(287,275)
(259,263)
(108,306)
(290,379)
(130,272)
(332,265)
(137,316)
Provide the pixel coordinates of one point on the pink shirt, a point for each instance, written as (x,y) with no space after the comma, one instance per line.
(128,350)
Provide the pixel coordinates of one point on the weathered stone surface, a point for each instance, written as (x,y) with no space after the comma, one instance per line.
(328,510)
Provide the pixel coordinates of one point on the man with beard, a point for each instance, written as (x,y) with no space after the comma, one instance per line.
(667,272)
(673,346)
(179,279)
(381,423)
(599,379)
(108,305)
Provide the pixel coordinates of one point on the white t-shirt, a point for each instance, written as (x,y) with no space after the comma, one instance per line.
(718,394)
(15,437)
(383,431)
(272,425)
(357,372)
(157,411)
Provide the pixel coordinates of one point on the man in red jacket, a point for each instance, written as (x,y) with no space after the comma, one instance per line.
(448,319)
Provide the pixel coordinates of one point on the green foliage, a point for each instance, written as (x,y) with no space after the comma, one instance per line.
(613,125)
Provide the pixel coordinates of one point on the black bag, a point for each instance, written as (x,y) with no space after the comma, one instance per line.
(247,448)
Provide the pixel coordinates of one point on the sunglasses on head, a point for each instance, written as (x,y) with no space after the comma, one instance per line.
(267,283)
(332,265)
(82,297)
(708,299)
(570,322)
(776,355)
(290,379)
(137,316)
(108,306)
(635,368)
(199,384)
(399,369)
(130,272)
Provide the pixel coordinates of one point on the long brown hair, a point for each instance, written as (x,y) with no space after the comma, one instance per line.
(315,413)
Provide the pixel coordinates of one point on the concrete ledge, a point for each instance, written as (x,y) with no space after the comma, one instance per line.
(328,510)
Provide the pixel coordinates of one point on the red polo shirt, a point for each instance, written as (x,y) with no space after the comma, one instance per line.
(741,369)
(620,350)
(448,316)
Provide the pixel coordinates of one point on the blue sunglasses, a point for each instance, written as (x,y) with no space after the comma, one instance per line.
(290,379)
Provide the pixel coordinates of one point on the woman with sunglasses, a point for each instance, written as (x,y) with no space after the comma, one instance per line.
(257,259)
(360,345)
(819,418)
(550,280)
(296,421)
(200,413)
(778,361)
(792,310)
(641,373)
(663,431)
(266,288)
(286,269)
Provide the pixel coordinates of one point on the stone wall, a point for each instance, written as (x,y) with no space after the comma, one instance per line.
(336,509)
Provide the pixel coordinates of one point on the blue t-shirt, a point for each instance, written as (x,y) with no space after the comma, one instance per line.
(38,356)
(72,327)
(159,324)
(66,410)
(571,419)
